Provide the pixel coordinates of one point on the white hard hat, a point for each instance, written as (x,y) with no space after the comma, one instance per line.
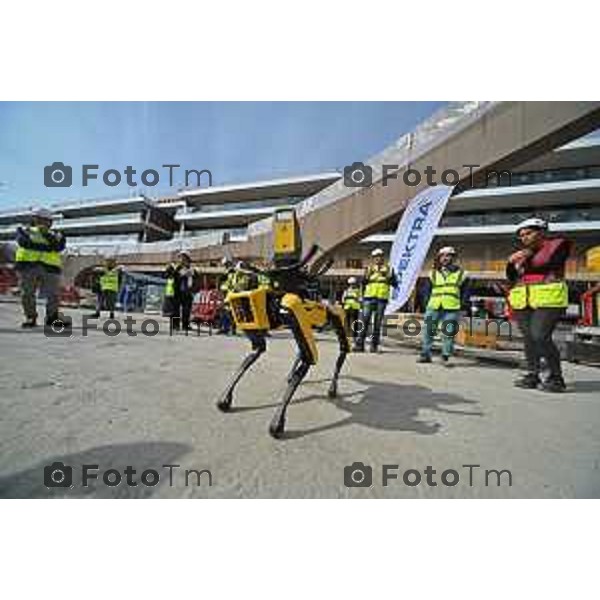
(377,252)
(533,223)
(351,280)
(42,213)
(447,250)
(184,253)
(225,261)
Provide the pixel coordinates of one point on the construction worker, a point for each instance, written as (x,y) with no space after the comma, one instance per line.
(236,280)
(379,278)
(169,292)
(226,323)
(186,281)
(447,290)
(351,304)
(538,299)
(108,286)
(39,265)
(263,280)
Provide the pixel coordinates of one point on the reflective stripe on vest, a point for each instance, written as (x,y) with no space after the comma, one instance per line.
(47,257)
(445,291)
(109,281)
(236,282)
(378,282)
(351,299)
(52,259)
(554,294)
(239,282)
(170,287)
(518,297)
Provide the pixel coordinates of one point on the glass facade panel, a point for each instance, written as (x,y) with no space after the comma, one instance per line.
(553,215)
(128,216)
(249,204)
(537,177)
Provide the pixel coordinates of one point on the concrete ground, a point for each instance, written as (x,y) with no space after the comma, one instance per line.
(150,401)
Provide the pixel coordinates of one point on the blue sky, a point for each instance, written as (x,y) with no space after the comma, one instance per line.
(236,141)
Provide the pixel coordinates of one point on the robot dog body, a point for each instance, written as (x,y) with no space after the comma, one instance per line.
(291,301)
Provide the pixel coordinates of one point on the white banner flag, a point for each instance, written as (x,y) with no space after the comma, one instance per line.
(413,238)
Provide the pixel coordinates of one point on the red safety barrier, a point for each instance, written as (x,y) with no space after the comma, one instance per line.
(206,306)
(8,280)
(590,303)
(69,296)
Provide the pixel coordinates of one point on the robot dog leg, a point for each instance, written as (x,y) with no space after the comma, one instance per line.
(277,426)
(299,321)
(259,345)
(294,367)
(337,322)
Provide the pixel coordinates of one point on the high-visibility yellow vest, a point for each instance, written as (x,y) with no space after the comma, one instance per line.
(109,280)
(351,299)
(227,285)
(378,282)
(235,282)
(445,291)
(553,294)
(48,257)
(238,281)
(264,281)
(170,287)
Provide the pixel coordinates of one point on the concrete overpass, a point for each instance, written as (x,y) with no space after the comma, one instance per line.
(491,135)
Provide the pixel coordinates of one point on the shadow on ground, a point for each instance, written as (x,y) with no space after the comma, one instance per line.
(390,407)
(584,387)
(141,456)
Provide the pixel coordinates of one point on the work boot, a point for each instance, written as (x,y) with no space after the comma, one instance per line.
(424,358)
(529,381)
(95,315)
(29,323)
(358,348)
(112,314)
(374,349)
(446,360)
(554,384)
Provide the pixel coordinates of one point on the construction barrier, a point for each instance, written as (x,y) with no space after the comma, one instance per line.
(207,305)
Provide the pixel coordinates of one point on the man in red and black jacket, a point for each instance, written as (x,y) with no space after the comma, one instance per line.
(538,298)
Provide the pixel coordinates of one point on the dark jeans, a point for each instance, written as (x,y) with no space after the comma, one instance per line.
(106,301)
(182,306)
(371,308)
(537,327)
(351,317)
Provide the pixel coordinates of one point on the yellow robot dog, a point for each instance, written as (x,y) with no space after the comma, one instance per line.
(291,299)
